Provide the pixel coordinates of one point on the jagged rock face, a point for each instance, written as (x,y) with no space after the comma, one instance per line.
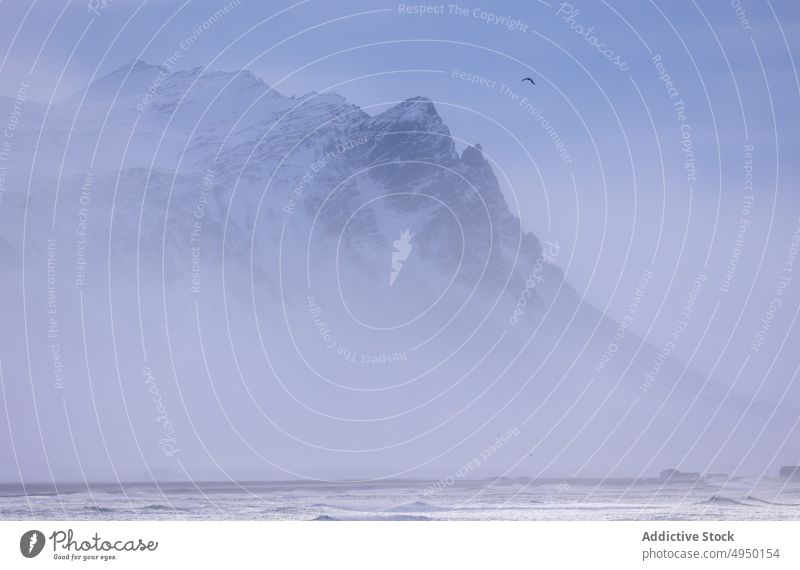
(352,175)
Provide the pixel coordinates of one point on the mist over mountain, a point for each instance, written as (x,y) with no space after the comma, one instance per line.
(216,280)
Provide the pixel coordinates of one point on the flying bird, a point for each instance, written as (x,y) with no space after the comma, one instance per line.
(529,79)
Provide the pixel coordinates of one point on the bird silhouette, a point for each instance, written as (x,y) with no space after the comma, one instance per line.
(528,79)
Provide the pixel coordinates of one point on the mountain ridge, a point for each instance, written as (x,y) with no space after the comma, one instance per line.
(245,239)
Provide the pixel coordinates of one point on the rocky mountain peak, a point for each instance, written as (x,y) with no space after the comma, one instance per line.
(416,113)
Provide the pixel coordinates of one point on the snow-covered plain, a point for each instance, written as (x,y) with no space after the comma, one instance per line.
(767,499)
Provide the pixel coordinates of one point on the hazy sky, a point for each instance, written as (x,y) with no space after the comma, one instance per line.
(635,150)
(624,199)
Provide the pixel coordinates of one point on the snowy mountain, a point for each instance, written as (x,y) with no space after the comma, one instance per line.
(314,291)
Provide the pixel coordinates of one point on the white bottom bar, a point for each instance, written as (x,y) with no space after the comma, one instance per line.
(403,545)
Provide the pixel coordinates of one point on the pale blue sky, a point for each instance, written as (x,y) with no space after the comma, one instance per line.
(623,210)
